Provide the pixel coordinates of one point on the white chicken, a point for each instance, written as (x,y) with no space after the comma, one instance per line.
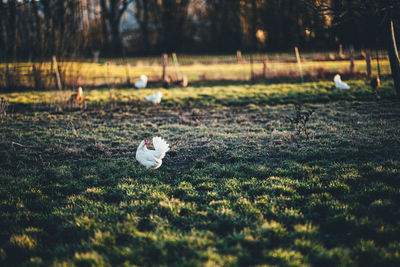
(152,158)
(142,83)
(154,98)
(339,83)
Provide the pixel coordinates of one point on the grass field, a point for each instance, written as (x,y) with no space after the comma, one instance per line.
(117,73)
(243,184)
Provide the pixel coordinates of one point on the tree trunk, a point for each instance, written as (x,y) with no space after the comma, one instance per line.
(12,29)
(104,16)
(253,29)
(47,46)
(114,20)
(142,16)
(145,27)
(38,32)
(394,59)
(116,38)
(113,14)
(2,39)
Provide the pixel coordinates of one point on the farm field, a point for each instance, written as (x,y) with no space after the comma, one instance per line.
(117,72)
(245,183)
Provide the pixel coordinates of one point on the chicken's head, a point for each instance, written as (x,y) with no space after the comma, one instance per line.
(146,141)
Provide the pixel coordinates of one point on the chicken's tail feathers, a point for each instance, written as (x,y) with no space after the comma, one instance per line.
(160,145)
(345,86)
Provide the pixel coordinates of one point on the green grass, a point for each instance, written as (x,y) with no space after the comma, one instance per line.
(97,74)
(217,95)
(239,186)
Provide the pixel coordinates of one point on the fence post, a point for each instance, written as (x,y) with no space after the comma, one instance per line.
(108,75)
(265,68)
(176,64)
(377,63)
(128,78)
(37,77)
(352,67)
(96,56)
(368,62)
(238,56)
(10,78)
(59,85)
(164,59)
(296,50)
(251,69)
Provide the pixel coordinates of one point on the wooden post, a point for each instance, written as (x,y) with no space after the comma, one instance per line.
(108,74)
(394,58)
(37,78)
(176,64)
(238,56)
(50,73)
(377,63)
(164,59)
(7,77)
(10,79)
(57,73)
(296,50)
(368,62)
(265,68)
(128,78)
(96,56)
(352,67)
(251,70)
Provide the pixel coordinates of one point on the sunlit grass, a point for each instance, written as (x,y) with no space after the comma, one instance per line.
(217,95)
(240,186)
(92,74)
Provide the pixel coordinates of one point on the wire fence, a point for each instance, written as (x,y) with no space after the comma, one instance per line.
(68,73)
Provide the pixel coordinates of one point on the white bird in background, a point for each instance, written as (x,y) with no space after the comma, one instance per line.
(152,158)
(339,83)
(142,83)
(154,98)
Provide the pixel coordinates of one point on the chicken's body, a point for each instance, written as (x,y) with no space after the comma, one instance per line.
(142,83)
(77,98)
(152,158)
(375,82)
(339,83)
(154,98)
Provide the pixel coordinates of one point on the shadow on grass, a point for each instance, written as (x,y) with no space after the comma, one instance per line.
(305,94)
(329,201)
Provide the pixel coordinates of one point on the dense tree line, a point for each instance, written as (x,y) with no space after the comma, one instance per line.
(33,29)
(375,21)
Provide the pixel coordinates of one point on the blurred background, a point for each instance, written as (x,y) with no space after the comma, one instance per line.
(114,28)
(223,39)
